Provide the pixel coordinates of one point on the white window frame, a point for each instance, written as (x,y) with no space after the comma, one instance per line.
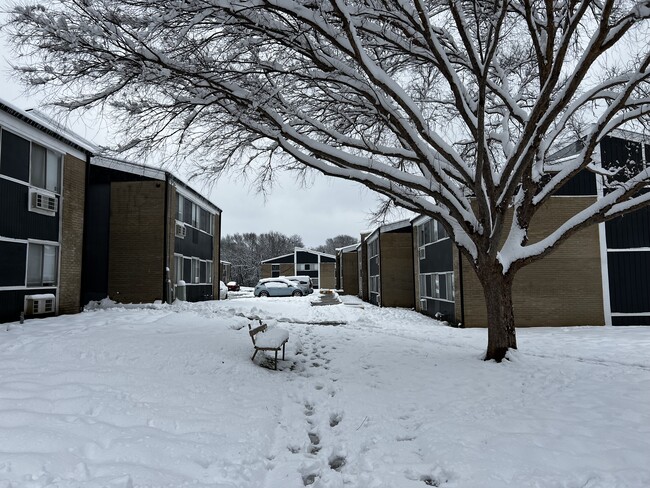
(42,245)
(433,279)
(59,168)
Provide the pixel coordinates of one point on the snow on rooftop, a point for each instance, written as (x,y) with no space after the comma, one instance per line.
(47,123)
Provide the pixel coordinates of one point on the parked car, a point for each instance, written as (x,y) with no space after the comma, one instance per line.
(277,287)
(233,286)
(223,291)
(304,282)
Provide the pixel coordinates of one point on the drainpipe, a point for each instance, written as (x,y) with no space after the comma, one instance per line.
(460,284)
(166,244)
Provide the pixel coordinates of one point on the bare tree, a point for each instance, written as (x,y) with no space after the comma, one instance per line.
(447,108)
(246,251)
(333,243)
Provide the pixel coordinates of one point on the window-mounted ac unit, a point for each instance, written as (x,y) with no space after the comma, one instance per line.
(422,253)
(181,231)
(39,304)
(423,305)
(42,202)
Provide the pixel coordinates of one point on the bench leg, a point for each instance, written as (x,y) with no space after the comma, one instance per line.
(254,354)
(283,350)
(276,359)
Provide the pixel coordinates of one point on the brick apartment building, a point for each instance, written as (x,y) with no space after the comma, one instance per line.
(75,227)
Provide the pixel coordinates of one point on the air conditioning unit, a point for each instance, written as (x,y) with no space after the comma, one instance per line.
(39,304)
(423,305)
(181,231)
(422,253)
(42,202)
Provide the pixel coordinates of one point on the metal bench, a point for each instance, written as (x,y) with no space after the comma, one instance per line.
(265,339)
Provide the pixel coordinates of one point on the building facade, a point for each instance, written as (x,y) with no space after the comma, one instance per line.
(148,233)
(347,269)
(320,267)
(42,194)
(388,277)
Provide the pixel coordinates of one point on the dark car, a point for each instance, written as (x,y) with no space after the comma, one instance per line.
(232,286)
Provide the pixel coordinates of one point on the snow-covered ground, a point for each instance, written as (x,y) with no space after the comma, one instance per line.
(166,396)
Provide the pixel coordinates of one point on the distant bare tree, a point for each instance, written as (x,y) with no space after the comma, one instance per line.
(448,108)
(333,243)
(246,251)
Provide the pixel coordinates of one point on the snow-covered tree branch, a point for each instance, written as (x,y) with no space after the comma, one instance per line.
(448,108)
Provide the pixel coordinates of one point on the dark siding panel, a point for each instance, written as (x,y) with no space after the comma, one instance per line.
(311,274)
(447,309)
(325,259)
(439,257)
(631,320)
(306,257)
(617,152)
(13,257)
(629,281)
(584,183)
(96,235)
(372,298)
(17,221)
(13,302)
(196,244)
(199,293)
(628,231)
(14,156)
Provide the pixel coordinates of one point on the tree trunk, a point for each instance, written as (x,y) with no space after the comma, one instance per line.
(497,289)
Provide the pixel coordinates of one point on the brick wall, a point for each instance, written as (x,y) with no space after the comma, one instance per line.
(327,275)
(396,268)
(562,289)
(350,264)
(135,265)
(72,227)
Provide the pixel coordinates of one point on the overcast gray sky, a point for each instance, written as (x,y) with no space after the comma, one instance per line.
(325,209)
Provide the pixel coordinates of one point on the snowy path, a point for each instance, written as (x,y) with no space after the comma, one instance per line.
(168,397)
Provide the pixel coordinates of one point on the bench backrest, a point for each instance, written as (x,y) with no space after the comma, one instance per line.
(256,330)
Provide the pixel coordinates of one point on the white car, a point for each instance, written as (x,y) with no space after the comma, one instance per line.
(277,287)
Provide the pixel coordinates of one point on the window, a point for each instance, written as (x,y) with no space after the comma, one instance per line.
(275,270)
(374,284)
(208,270)
(42,265)
(437,285)
(195,215)
(205,223)
(195,270)
(187,270)
(203,276)
(179,207)
(308,267)
(429,232)
(45,169)
(373,248)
